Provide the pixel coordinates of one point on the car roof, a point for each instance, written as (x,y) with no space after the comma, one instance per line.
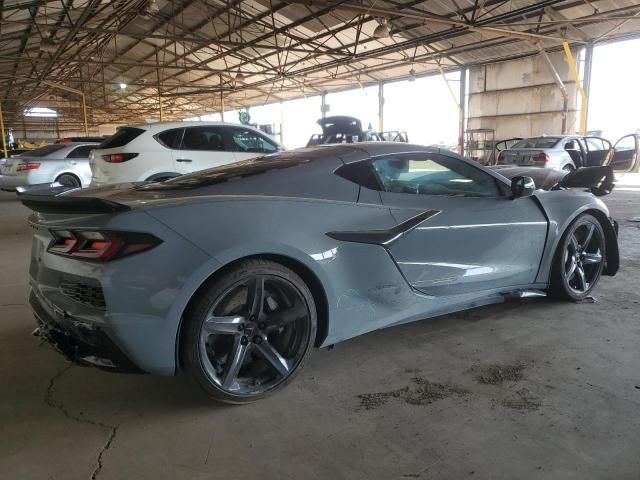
(162,126)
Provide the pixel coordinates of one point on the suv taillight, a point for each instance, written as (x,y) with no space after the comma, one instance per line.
(27,166)
(100,245)
(119,157)
(541,157)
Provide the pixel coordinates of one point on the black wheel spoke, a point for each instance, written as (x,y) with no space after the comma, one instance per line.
(584,286)
(590,229)
(591,258)
(234,362)
(284,317)
(273,357)
(255,298)
(223,325)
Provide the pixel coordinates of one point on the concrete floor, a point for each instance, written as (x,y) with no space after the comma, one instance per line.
(416,401)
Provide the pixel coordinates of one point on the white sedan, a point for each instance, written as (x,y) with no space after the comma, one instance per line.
(65,163)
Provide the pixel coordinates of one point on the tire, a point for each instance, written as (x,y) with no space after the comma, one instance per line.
(239,349)
(579,259)
(69,180)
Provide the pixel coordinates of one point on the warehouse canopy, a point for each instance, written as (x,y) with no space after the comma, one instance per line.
(122,54)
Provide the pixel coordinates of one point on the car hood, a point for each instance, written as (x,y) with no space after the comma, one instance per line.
(597,179)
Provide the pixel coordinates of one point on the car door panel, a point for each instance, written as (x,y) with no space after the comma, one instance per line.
(473,244)
(625,154)
(597,150)
(201,148)
(479,240)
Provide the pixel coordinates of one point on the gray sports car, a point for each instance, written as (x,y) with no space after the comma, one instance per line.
(233,274)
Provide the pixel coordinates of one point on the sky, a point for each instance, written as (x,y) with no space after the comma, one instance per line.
(614,104)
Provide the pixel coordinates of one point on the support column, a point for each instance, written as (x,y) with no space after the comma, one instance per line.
(221,101)
(381,106)
(462,109)
(588,65)
(159,90)
(4,136)
(576,78)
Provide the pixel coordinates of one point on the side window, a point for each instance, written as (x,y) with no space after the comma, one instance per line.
(170,138)
(434,174)
(595,144)
(203,138)
(571,145)
(361,173)
(245,140)
(82,152)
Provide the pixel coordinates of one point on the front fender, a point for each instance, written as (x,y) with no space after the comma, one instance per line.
(562,207)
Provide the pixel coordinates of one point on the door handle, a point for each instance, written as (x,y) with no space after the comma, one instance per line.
(183,160)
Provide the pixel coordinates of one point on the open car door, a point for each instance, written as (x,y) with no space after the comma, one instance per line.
(624,155)
(598,149)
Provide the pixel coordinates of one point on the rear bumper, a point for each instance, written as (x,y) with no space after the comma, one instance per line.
(10,182)
(79,341)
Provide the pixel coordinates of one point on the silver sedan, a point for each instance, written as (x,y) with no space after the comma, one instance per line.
(66,163)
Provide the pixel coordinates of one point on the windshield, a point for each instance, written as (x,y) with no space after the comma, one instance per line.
(42,151)
(538,142)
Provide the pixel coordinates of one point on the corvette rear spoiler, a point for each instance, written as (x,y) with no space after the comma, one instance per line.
(47,203)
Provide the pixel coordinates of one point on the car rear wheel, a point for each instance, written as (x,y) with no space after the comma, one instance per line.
(69,180)
(249,331)
(579,259)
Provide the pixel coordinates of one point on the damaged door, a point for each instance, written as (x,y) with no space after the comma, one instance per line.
(477,240)
(623,157)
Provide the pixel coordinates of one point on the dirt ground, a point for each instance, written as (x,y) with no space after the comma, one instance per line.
(529,389)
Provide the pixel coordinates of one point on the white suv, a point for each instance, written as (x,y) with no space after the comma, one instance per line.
(158,151)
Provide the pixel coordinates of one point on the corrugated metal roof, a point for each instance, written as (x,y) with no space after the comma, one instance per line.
(254,51)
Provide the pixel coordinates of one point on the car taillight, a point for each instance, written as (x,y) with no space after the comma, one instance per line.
(27,166)
(500,157)
(541,157)
(119,157)
(100,245)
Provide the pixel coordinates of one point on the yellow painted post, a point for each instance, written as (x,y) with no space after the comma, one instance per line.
(4,137)
(576,77)
(160,103)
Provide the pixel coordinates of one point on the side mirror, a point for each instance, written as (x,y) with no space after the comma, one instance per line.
(522,186)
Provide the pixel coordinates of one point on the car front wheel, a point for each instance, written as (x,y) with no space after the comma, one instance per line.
(579,259)
(249,331)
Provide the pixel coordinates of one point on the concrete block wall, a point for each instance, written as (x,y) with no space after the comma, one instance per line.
(520,98)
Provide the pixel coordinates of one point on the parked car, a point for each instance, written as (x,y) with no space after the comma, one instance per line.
(235,273)
(159,151)
(563,152)
(67,164)
(345,129)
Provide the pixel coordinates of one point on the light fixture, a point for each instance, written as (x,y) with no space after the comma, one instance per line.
(412,75)
(239,78)
(152,7)
(382,30)
(122,85)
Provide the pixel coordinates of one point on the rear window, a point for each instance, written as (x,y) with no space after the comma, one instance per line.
(43,151)
(123,136)
(539,142)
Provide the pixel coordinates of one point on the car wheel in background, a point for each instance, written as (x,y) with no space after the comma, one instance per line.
(579,259)
(248,331)
(69,180)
